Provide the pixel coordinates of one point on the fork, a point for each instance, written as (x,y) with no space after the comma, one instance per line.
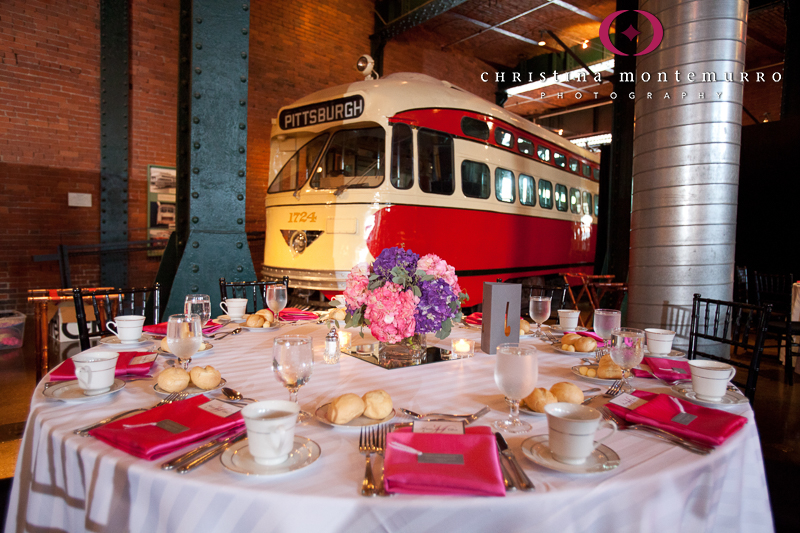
(84,431)
(379,446)
(614,390)
(364,446)
(622,425)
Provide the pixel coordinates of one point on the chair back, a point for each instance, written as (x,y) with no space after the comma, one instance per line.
(250,290)
(741,285)
(557,296)
(730,323)
(776,290)
(107,304)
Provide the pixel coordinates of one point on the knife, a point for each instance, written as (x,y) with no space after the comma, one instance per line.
(508,480)
(183,458)
(524,481)
(210,454)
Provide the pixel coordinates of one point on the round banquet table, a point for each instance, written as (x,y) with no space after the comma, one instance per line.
(64,482)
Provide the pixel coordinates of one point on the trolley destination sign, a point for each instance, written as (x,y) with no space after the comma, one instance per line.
(322,112)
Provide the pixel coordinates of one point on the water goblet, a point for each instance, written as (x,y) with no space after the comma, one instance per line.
(627,350)
(292,363)
(198,304)
(184,337)
(606,321)
(539,308)
(276,299)
(516,372)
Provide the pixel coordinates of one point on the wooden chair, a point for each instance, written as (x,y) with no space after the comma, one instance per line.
(741,287)
(107,304)
(586,291)
(249,290)
(730,323)
(776,290)
(558,296)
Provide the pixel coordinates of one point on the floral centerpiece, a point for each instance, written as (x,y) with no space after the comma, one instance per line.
(402,296)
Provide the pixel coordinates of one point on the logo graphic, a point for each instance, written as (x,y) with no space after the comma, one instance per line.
(631,32)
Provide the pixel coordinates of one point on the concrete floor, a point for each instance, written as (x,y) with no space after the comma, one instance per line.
(777,409)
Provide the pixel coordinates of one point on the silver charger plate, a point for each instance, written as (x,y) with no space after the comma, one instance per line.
(238,459)
(191,390)
(115,340)
(731,399)
(601,381)
(199,353)
(600,460)
(362,421)
(70,391)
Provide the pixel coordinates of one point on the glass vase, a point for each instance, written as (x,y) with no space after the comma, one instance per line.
(410,349)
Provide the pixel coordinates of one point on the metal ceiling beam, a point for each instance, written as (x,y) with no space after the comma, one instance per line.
(505,32)
(413,17)
(572,54)
(577,10)
(468,37)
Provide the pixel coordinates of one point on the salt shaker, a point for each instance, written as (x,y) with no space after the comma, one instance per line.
(331,355)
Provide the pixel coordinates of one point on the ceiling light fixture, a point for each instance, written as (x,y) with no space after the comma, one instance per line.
(542,43)
(585,45)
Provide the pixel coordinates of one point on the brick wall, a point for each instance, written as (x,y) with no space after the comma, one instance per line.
(763,99)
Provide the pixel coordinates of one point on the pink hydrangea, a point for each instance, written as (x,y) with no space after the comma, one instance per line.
(434,265)
(355,294)
(390,312)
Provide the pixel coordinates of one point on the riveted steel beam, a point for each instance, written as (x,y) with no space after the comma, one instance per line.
(212,150)
(114,86)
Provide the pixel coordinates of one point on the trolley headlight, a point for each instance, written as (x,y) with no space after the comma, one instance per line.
(298,242)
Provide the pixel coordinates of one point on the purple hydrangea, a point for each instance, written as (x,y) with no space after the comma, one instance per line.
(392,257)
(433,308)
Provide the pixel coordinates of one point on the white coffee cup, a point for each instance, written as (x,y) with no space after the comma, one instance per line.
(95,371)
(571,430)
(234,307)
(710,379)
(659,341)
(270,430)
(128,328)
(568,318)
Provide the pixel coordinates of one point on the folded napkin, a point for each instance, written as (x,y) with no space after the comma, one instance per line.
(128,364)
(161,329)
(711,427)
(475,319)
(292,314)
(666,369)
(185,422)
(480,474)
(591,335)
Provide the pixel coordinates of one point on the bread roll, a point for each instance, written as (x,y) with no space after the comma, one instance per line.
(206,378)
(378,404)
(538,399)
(568,347)
(164,345)
(608,369)
(268,315)
(255,321)
(173,379)
(567,392)
(570,338)
(524,326)
(583,370)
(585,344)
(345,408)
(337,314)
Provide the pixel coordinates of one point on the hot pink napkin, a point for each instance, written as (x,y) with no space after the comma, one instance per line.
(66,370)
(591,335)
(139,436)
(161,328)
(291,314)
(711,427)
(475,319)
(666,369)
(480,474)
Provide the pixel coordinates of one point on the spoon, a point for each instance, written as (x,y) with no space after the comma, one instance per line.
(223,335)
(234,394)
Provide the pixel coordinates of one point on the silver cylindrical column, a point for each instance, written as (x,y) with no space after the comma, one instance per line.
(686,161)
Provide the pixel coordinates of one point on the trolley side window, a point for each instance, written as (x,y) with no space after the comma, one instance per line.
(543,152)
(587,203)
(402,175)
(562,204)
(560,159)
(476,180)
(575,201)
(504,137)
(587,170)
(596,205)
(527,190)
(545,194)
(504,185)
(596,172)
(525,146)
(354,159)
(573,164)
(300,167)
(435,162)
(475,128)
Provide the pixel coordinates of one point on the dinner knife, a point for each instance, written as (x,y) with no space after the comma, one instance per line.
(84,431)
(508,479)
(524,481)
(210,454)
(191,454)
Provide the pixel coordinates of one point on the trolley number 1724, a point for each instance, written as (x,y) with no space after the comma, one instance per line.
(303,216)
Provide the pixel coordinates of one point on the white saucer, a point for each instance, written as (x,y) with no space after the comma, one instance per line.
(115,340)
(575,353)
(70,391)
(225,319)
(272,328)
(238,459)
(731,399)
(198,353)
(602,381)
(673,354)
(601,460)
(528,411)
(561,331)
(190,391)
(362,421)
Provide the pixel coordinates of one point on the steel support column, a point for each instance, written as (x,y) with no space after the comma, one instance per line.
(210,240)
(114,85)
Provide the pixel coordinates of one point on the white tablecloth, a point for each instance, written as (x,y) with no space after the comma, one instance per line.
(68,483)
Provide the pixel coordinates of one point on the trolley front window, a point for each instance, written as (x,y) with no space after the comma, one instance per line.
(300,167)
(504,185)
(545,194)
(527,190)
(354,159)
(562,204)
(435,162)
(476,181)
(402,174)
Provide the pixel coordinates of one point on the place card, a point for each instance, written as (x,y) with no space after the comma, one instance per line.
(140,359)
(684,418)
(438,426)
(220,409)
(628,401)
(171,426)
(441,458)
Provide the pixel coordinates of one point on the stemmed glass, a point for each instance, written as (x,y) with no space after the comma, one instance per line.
(198,304)
(276,299)
(539,308)
(292,362)
(627,350)
(516,372)
(606,321)
(184,336)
